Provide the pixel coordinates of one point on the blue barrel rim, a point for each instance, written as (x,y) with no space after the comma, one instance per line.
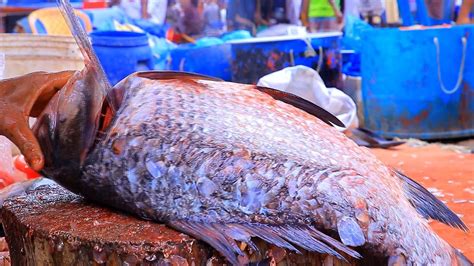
(118,38)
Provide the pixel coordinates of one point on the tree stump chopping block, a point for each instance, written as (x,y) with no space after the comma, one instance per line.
(52,226)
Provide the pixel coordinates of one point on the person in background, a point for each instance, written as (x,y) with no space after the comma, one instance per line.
(173,13)
(152,10)
(293,11)
(212,18)
(157,11)
(264,12)
(321,15)
(242,14)
(467,8)
(271,12)
(134,9)
(191,22)
(223,13)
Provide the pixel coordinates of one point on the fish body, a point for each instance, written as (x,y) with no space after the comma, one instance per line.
(223,161)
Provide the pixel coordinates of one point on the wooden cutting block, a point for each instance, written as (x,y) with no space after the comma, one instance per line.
(52,226)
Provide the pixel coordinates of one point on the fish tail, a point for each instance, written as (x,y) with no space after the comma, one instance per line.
(428,205)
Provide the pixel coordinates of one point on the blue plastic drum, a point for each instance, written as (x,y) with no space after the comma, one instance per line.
(122,53)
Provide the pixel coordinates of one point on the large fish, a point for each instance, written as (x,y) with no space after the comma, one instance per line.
(226,162)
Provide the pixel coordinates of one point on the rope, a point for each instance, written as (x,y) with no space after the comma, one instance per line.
(461,67)
(310,52)
(320,59)
(181,64)
(292,58)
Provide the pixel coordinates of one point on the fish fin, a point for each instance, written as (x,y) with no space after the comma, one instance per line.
(367,138)
(333,242)
(462,259)
(285,97)
(206,232)
(85,46)
(397,260)
(174,75)
(313,240)
(428,205)
(302,104)
(222,237)
(264,262)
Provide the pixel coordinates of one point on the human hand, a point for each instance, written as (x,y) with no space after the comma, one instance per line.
(25,96)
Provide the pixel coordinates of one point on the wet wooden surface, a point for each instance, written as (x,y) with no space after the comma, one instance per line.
(449,175)
(50,226)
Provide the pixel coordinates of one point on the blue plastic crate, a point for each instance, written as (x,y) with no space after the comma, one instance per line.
(257,57)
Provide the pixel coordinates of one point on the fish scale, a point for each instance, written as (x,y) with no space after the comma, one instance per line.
(188,151)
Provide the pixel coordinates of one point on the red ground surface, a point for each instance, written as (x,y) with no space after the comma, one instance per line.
(450,175)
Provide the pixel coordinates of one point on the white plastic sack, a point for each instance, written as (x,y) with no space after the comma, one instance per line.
(306,83)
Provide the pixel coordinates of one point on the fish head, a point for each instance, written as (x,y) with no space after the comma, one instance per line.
(68,127)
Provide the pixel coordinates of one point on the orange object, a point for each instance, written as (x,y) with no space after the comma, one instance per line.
(88,4)
(54,22)
(21,165)
(5,179)
(173,36)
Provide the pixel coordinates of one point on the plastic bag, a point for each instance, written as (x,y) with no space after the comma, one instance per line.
(353,30)
(306,83)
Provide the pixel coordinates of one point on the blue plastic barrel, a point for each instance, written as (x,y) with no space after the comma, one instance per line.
(419,83)
(122,53)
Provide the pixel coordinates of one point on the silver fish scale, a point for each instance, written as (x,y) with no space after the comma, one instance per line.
(226,152)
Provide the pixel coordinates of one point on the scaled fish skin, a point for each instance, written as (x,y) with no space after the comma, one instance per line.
(224,161)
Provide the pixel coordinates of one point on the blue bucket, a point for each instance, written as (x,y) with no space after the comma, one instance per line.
(122,53)
(419,83)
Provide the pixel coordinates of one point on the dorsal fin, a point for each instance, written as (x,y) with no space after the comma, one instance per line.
(302,104)
(92,62)
(173,75)
(367,138)
(285,97)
